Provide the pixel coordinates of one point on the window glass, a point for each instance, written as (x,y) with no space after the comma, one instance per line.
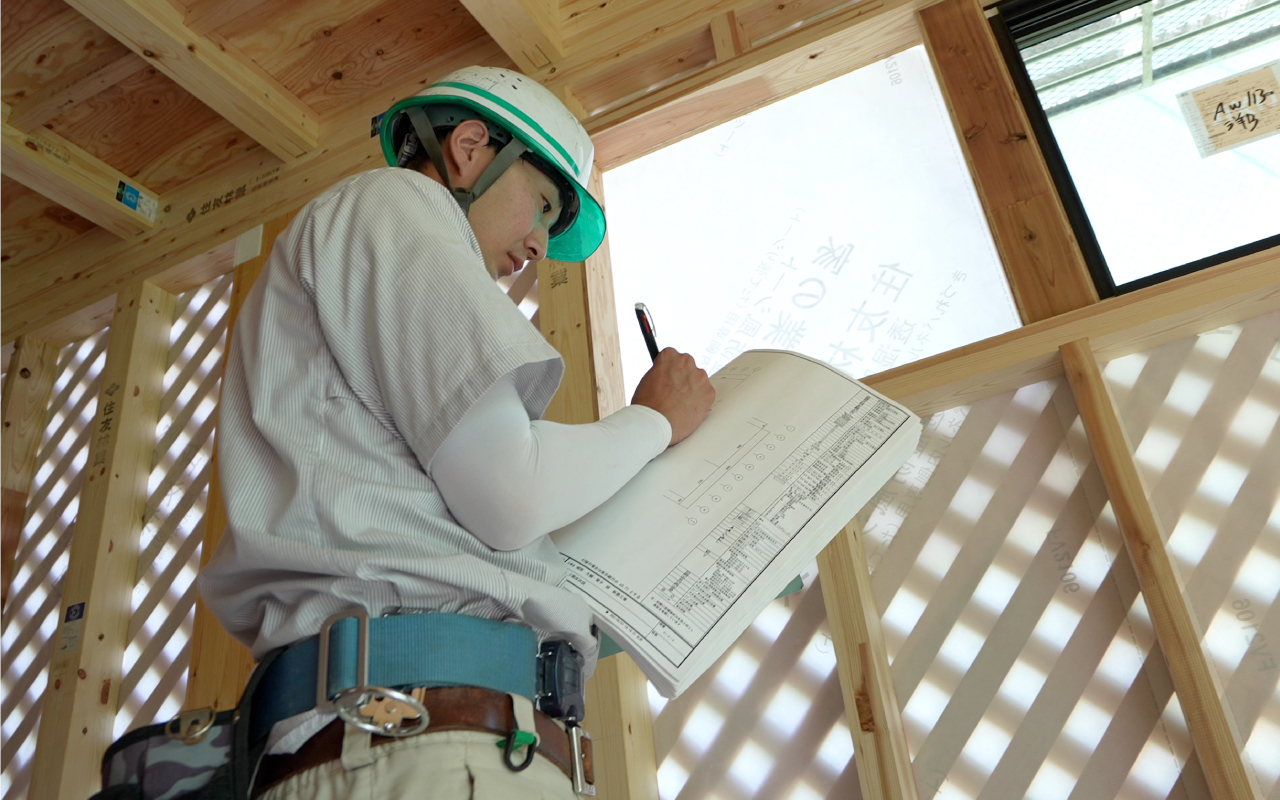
(841,222)
(1121,98)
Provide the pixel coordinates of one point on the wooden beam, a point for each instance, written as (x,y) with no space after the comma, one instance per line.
(527,30)
(75,86)
(1118,326)
(752,83)
(729,37)
(877,25)
(220,665)
(27,385)
(80,701)
(221,78)
(862,659)
(1212,730)
(204,15)
(574,299)
(1042,259)
(46,163)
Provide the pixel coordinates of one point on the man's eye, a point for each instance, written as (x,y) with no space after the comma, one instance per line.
(546,206)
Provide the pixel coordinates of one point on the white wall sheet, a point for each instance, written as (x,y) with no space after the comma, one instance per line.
(1201,414)
(158,654)
(31,614)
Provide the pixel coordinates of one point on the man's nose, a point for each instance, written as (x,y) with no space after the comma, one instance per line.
(535,245)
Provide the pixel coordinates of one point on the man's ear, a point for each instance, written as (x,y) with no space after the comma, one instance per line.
(466,152)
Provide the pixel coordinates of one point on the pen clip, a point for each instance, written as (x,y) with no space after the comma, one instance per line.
(648,318)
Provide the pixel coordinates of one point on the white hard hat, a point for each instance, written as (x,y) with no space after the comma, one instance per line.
(529,112)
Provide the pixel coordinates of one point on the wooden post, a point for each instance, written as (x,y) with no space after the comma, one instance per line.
(80,700)
(220,665)
(27,386)
(1042,259)
(1212,732)
(577,315)
(870,699)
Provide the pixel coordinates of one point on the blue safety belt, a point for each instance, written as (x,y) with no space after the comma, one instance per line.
(404,651)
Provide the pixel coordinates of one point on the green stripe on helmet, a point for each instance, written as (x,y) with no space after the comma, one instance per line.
(525,118)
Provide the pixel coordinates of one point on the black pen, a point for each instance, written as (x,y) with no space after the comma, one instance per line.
(646,330)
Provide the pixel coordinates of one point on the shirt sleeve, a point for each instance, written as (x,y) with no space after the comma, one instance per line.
(418,328)
(510,480)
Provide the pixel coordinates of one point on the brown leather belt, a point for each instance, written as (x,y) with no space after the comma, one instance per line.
(452,708)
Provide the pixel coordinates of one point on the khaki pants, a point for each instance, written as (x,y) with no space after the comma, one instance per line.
(450,765)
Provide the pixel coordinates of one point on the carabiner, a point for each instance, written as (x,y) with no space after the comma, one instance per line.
(526,740)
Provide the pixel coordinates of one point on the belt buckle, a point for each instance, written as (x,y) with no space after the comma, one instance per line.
(580,786)
(374,709)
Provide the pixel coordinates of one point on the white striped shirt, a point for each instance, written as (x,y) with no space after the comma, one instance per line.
(372,331)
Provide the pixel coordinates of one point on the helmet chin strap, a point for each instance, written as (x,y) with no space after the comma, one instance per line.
(465,197)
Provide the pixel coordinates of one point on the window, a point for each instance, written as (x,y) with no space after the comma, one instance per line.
(1154,120)
(840,222)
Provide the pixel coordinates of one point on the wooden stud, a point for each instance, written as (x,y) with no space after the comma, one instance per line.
(27,385)
(574,300)
(562,317)
(1141,320)
(527,30)
(1042,259)
(1212,731)
(602,319)
(75,86)
(729,37)
(46,163)
(870,699)
(221,78)
(220,665)
(80,701)
(621,729)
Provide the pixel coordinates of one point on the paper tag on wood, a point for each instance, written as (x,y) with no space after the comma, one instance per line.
(1234,111)
(72,629)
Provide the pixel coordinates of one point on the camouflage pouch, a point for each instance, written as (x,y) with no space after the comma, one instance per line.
(196,755)
(166,762)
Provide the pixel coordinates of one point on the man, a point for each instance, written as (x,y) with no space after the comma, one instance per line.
(382,454)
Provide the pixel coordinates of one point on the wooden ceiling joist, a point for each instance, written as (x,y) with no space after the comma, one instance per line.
(527,30)
(45,162)
(232,85)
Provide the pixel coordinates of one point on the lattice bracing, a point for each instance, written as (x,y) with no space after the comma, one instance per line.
(1202,415)
(1022,653)
(156,660)
(30,616)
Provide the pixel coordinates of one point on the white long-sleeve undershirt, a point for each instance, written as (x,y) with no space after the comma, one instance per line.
(509,480)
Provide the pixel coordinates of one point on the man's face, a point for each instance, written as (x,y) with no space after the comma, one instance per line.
(512,218)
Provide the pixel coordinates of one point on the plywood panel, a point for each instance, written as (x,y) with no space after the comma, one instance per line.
(277,31)
(136,122)
(43,40)
(33,224)
(331,72)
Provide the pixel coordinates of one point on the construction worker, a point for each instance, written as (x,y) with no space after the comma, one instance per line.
(389,483)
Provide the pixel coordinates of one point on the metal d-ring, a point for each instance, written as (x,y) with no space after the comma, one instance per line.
(393,710)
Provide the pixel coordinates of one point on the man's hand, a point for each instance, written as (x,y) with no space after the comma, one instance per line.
(678,390)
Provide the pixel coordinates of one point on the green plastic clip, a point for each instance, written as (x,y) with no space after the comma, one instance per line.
(518,738)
